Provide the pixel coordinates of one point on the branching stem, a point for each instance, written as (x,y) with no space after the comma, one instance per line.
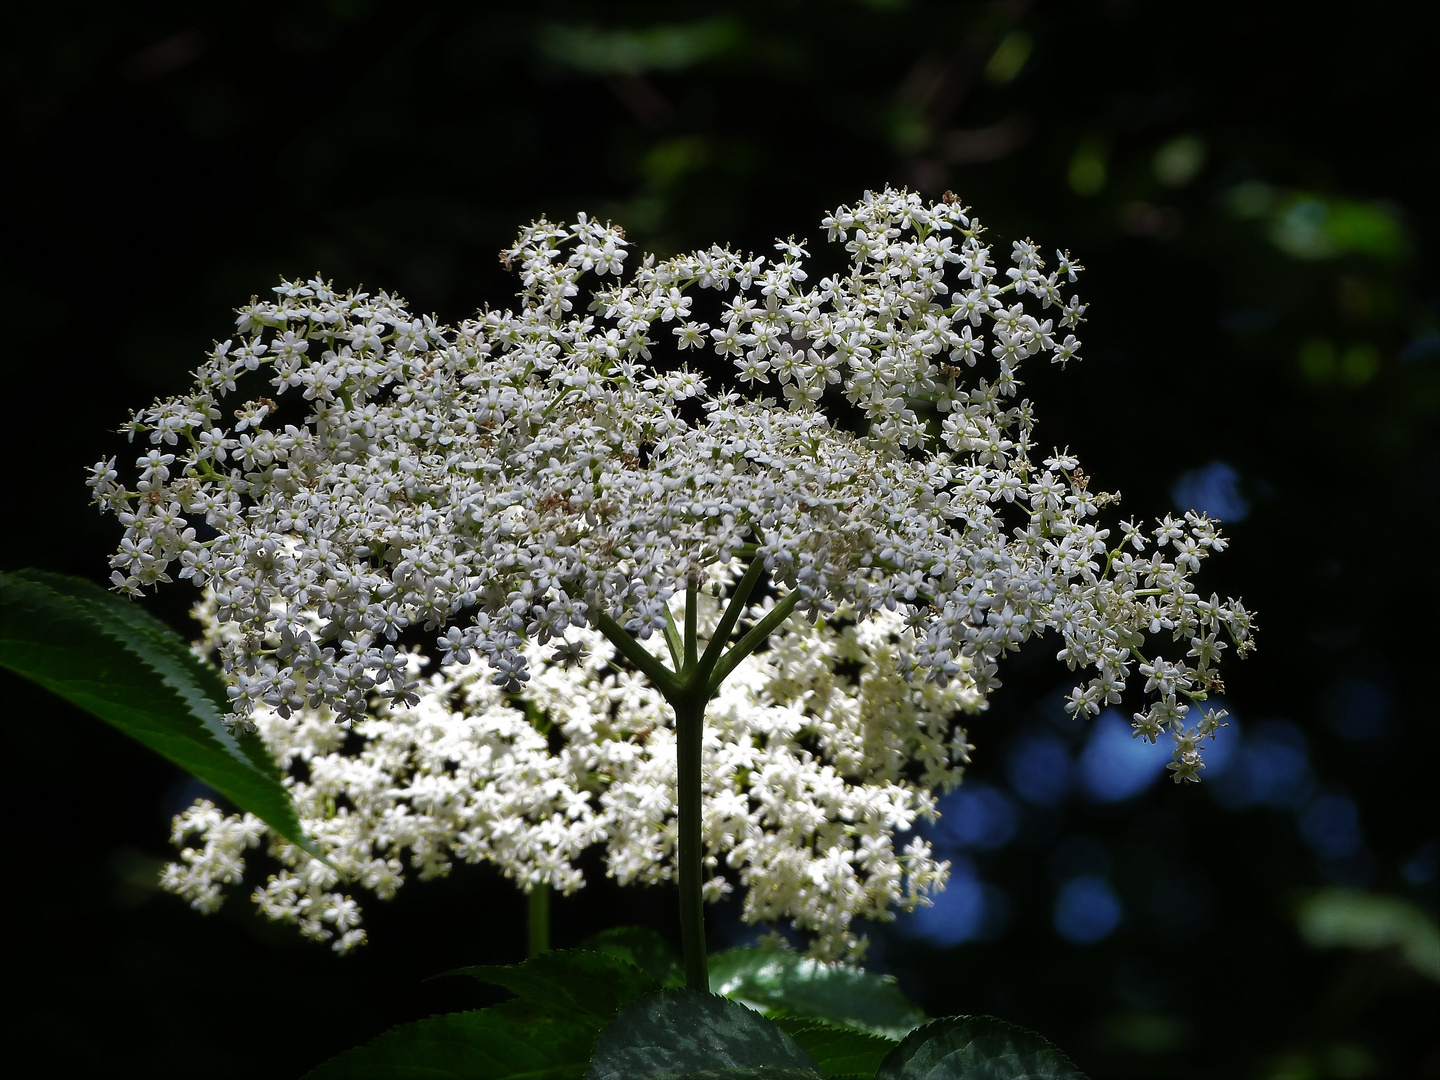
(688,689)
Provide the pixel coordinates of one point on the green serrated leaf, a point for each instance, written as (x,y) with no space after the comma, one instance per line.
(116,661)
(678,1033)
(976,1048)
(644,948)
(840,1052)
(759,1072)
(777,980)
(572,984)
(484,1044)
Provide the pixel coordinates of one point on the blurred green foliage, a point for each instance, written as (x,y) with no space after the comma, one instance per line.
(596,50)
(1352,919)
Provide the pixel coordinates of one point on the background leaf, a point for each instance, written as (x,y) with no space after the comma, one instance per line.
(758,1072)
(1353,919)
(644,948)
(776,980)
(111,658)
(485,1044)
(976,1048)
(684,1032)
(840,1052)
(575,984)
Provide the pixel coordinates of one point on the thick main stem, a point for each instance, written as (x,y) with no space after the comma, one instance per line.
(689,689)
(689,735)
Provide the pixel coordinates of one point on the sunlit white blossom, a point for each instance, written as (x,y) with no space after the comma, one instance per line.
(817,754)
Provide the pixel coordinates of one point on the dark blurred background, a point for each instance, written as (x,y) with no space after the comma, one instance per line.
(1252,188)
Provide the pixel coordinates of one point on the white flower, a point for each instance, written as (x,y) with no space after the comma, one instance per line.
(504,484)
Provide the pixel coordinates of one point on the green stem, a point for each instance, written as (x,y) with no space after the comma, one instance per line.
(692,597)
(757,636)
(688,690)
(731,615)
(661,677)
(673,641)
(539,921)
(689,731)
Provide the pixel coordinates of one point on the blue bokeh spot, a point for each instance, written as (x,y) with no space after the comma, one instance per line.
(1422,867)
(974,816)
(1222,749)
(1087,910)
(1212,489)
(1114,764)
(1359,710)
(967,909)
(1331,826)
(1271,767)
(1038,768)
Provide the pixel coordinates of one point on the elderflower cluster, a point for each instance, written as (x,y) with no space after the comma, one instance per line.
(816,753)
(514,487)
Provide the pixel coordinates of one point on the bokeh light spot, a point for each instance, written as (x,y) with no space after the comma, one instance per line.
(1270,767)
(1009,58)
(1038,768)
(1359,709)
(1177,162)
(1212,489)
(1331,826)
(968,909)
(1087,167)
(1422,866)
(975,816)
(1087,910)
(1114,765)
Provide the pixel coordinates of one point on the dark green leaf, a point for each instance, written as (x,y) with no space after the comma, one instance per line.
(574,984)
(644,948)
(777,980)
(838,1051)
(758,1072)
(486,1044)
(114,660)
(976,1048)
(679,1033)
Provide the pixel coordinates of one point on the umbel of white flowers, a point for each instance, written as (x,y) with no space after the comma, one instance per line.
(530,473)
